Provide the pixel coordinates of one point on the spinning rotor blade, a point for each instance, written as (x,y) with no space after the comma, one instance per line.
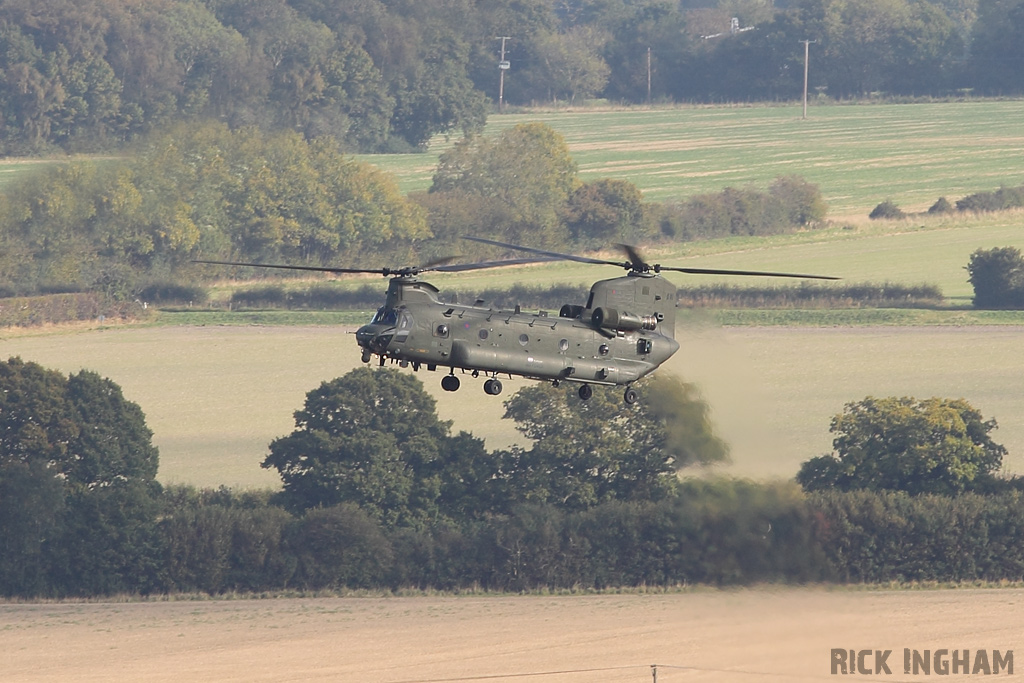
(637,264)
(713,271)
(436,265)
(460,267)
(318,269)
(554,255)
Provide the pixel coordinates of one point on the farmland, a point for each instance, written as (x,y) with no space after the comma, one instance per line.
(859,155)
(215,395)
(716,636)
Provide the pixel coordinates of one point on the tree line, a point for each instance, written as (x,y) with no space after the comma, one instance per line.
(120,226)
(387,76)
(377,493)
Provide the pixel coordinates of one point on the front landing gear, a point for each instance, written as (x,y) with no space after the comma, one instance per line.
(630,397)
(450,383)
(586,391)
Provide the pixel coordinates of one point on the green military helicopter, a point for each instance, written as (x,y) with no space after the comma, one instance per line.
(624,332)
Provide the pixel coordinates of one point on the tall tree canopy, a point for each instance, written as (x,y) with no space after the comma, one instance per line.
(589,452)
(78,489)
(200,190)
(932,445)
(525,174)
(373,438)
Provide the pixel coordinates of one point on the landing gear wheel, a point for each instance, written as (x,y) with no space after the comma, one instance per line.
(586,391)
(450,383)
(630,397)
(367,355)
(492,387)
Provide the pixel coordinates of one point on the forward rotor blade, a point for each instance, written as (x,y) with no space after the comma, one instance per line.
(317,269)
(553,254)
(460,267)
(756,273)
(634,256)
(437,265)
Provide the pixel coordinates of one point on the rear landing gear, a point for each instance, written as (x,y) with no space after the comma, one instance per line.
(586,391)
(450,383)
(492,387)
(630,397)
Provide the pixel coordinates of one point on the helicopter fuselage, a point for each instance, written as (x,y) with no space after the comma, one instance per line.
(612,348)
(624,332)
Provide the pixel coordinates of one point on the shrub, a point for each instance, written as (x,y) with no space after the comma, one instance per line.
(997,276)
(887,209)
(1002,199)
(173,293)
(942,205)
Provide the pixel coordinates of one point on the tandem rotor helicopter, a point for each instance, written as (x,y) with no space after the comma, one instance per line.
(624,332)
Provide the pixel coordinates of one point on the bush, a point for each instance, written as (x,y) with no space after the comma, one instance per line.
(162,293)
(808,295)
(941,205)
(997,276)
(790,203)
(1000,200)
(888,210)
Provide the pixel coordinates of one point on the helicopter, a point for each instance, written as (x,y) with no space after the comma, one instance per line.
(625,331)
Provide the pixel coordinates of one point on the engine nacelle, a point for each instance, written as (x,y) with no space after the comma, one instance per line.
(622,321)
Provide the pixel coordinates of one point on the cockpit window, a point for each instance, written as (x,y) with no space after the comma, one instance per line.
(405,325)
(387,316)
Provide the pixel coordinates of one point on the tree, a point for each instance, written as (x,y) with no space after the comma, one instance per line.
(527,171)
(605,209)
(997,276)
(372,438)
(933,445)
(589,452)
(997,53)
(78,473)
(572,64)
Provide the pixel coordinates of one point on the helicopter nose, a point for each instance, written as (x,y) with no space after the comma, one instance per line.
(374,337)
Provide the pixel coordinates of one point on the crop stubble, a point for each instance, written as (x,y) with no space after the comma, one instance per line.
(743,635)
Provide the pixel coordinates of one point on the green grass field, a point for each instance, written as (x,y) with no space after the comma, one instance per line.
(920,249)
(859,155)
(216,394)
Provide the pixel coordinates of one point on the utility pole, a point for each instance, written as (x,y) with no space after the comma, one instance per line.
(648,76)
(807,54)
(502,68)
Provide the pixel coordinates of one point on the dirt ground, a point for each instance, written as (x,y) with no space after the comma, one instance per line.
(745,636)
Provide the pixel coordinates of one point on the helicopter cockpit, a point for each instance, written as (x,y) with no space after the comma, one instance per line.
(375,336)
(385,316)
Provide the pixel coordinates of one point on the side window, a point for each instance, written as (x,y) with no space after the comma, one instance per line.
(441,331)
(405,323)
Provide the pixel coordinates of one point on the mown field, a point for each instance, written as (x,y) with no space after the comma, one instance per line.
(740,636)
(216,395)
(859,155)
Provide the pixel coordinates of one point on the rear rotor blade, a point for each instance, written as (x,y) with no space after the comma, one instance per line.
(756,273)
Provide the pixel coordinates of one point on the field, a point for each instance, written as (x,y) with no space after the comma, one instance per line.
(859,155)
(742,636)
(215,396)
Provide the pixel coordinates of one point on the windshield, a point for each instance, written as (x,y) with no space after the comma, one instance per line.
(388,316)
